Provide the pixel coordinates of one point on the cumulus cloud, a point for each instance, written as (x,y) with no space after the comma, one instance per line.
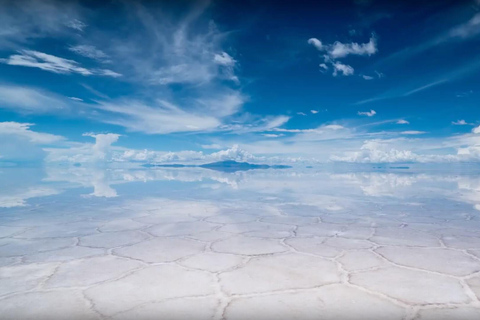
(370,113)
(345,69)
(380,151)
(103,151)
(403,121)
(476,129)
(339,50)
(224,59)
(461,123)
(314,111)
(376,152)
(316,43)
(47,62)
(100,151)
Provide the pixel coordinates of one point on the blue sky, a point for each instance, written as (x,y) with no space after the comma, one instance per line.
(269,81)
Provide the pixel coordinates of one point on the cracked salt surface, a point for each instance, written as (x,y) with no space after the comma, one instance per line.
(268,244)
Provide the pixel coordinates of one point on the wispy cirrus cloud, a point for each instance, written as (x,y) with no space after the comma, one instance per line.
(412,132)
(30,100)
(51,63)
(90,51)
(23,130)
(24,21)
(370,113)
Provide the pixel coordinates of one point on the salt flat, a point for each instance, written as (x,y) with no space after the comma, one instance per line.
(262,244)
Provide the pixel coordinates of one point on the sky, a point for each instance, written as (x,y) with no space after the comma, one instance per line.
(294,82)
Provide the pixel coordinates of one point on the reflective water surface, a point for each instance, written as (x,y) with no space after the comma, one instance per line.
(194,243)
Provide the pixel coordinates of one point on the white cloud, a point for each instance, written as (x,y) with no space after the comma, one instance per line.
(89,52)
(24,99)
(334,127)
(323,130)
(370,113)
(224,59)
(316,43)
(76,24)
(403,121)
(47,62)
(234,153)
(381,151)
(100,151)
(465,30)
(339,50)
(272,135)
(211,146)
(20,199)
(160,117)
(76,99)
(25,20)
(412,132)
(461,123)
(107,73)
(476,129)
(35,59)
(345,69)
(23,130)
(301,113)
(314,111)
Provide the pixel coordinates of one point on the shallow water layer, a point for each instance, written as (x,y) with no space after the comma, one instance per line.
(192,243)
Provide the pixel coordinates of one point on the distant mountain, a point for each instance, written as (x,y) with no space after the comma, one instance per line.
(225,166)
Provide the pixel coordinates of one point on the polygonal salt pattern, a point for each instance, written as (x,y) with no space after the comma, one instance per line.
(330,302)
(441,260)
(161,249)
(464,313)
(181,228)
(412,286)
(86,272)
(211,261)
(175,309)
(113,239)
(248,246)
(314,245)
(47,305)
(150,284)
(20,278)
(317,256)
(280,272)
